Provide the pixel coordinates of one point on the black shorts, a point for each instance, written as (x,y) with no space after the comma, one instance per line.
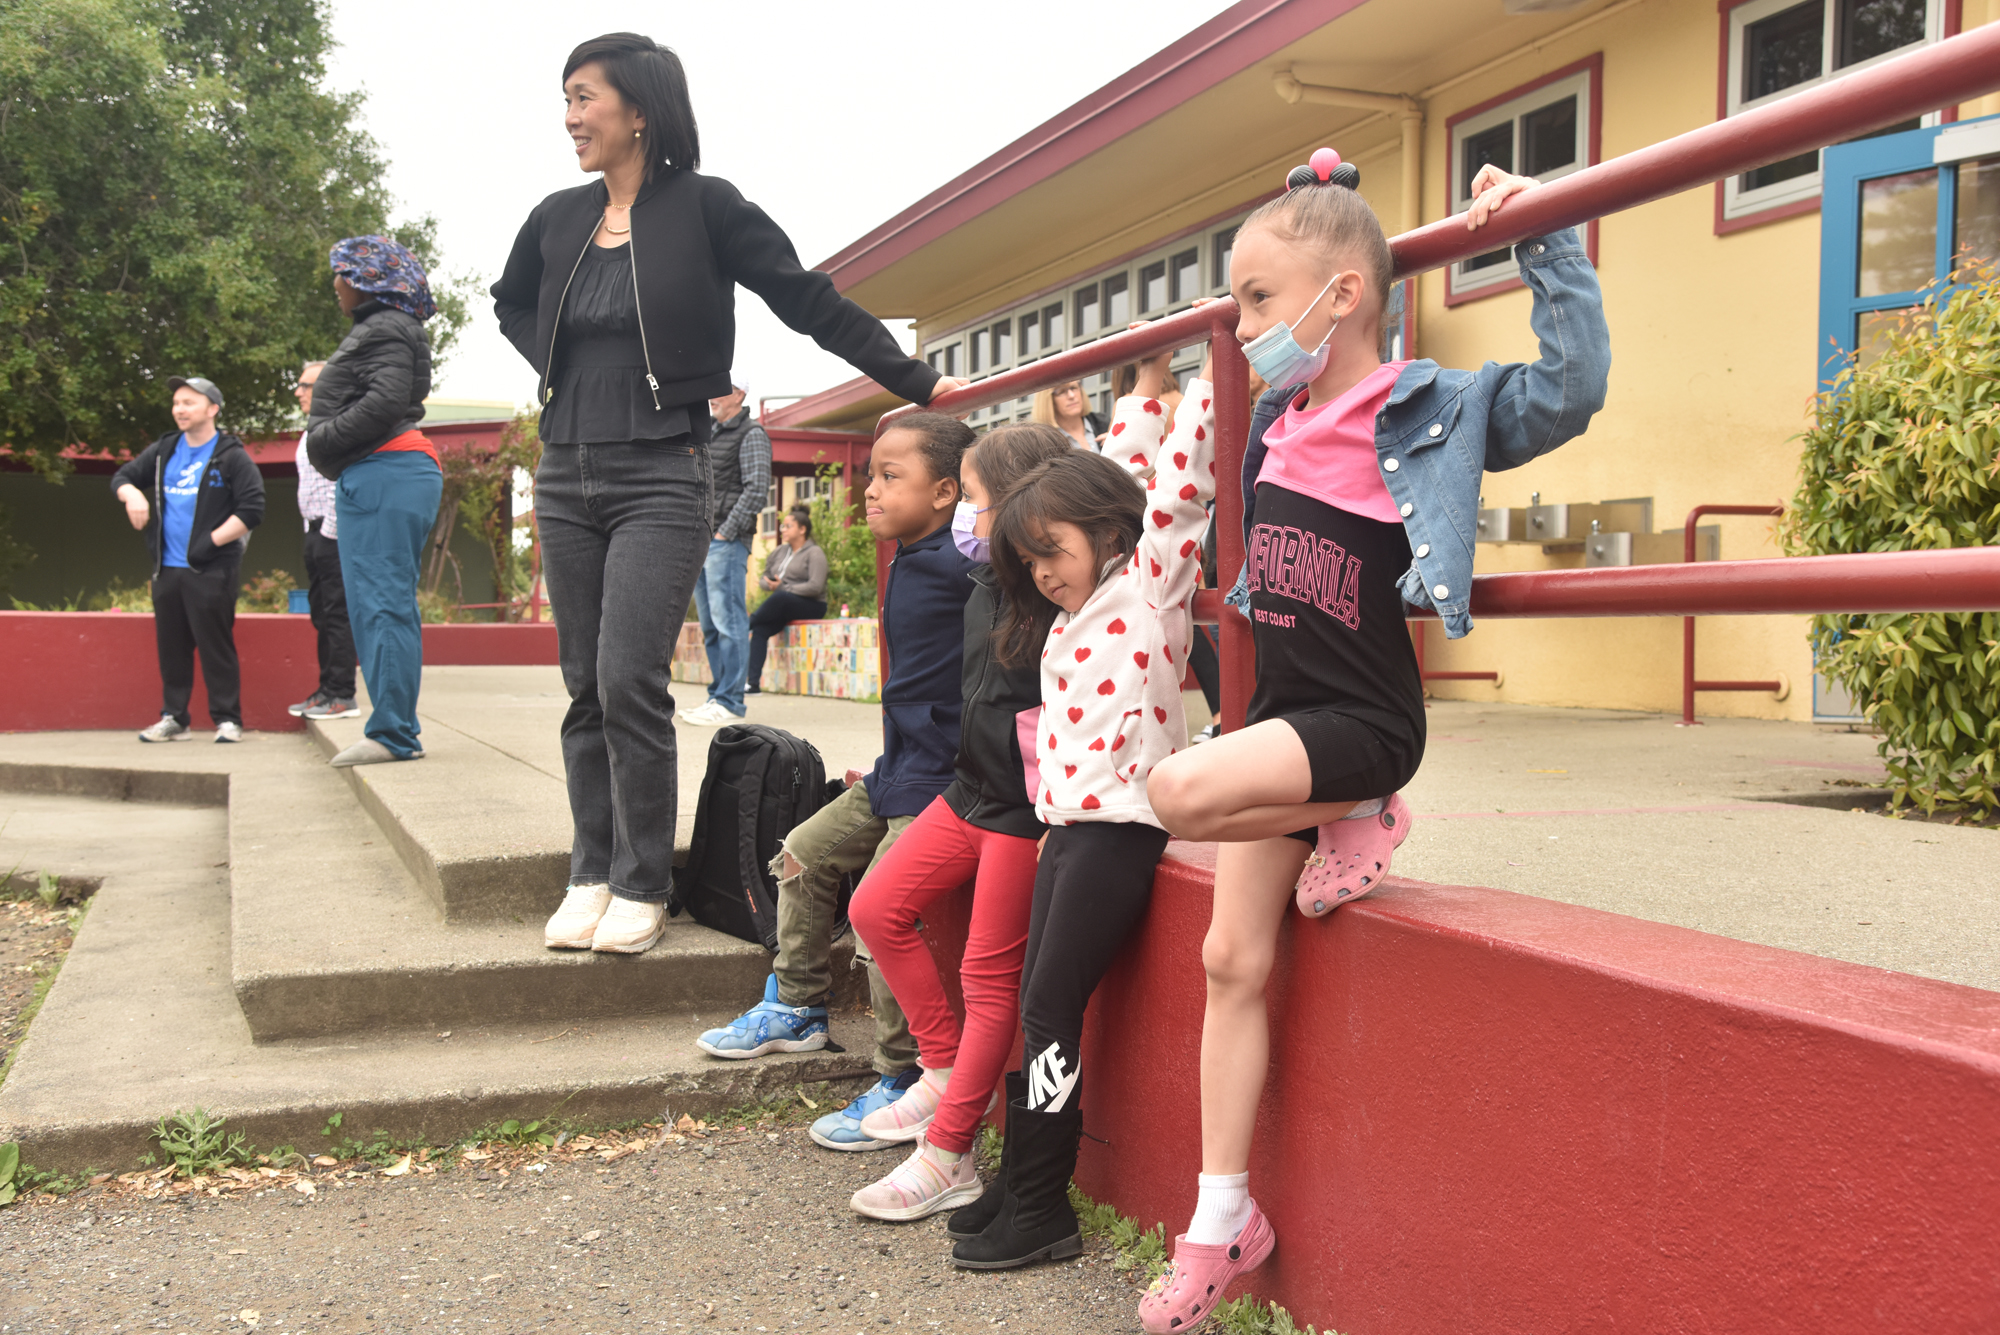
(1351,762)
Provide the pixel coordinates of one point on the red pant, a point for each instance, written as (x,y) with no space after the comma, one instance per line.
(936,854)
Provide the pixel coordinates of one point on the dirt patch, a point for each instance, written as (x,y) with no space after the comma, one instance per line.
(34,939)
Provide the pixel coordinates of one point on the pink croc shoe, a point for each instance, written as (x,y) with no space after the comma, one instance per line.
(1200,1274)
(1352,857)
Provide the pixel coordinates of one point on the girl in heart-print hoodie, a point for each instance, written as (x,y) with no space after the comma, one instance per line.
(1113,540)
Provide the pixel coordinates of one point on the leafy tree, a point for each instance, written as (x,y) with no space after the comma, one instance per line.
(1904,455)
(172,174)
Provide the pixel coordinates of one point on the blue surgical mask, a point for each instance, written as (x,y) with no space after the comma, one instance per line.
(1276,355)
(970,545)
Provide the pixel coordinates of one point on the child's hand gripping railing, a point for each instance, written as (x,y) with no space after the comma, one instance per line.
(1941,75)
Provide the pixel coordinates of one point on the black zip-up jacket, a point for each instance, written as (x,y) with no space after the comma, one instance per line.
(371,390)
(922,601)
(231,485)
(693,239)
(990,789)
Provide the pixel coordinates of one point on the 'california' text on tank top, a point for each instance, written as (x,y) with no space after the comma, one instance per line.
(1296,563)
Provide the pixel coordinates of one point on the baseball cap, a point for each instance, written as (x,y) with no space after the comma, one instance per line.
(201,386)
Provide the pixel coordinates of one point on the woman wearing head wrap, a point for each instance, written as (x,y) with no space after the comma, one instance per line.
(622,293)
(362,434)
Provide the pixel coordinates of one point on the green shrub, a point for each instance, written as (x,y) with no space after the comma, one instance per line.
(1902,456)
(195,1142)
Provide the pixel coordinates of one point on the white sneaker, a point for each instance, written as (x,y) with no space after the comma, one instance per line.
(695,713)
(575,923)
(229,732)
(713,715)
(629,927)
(166,730)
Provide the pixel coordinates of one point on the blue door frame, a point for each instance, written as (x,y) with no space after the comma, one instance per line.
(1846,168)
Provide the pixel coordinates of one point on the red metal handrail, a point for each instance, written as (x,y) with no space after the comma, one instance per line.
(1952,71)
(1688,683)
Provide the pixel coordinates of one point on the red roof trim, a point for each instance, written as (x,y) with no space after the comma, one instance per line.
(844,395)
(1225,45)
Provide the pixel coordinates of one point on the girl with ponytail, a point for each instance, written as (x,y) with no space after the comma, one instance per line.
(1361,485)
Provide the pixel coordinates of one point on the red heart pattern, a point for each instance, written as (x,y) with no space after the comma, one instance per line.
(1090,802)
(1106,687)
(1117,626)
(1097,745)
(1117,428)
(1140,658)
(1162,518)
(1188,492)
(1159,713)
(1075,714)
(1069,771)
(1082,652)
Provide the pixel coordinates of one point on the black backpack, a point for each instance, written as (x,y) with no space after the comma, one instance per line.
(761,783)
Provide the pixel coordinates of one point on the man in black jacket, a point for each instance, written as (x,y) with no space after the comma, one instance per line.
(196,494)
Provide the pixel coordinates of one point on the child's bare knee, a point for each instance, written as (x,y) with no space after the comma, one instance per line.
(1233,964)
(791,865)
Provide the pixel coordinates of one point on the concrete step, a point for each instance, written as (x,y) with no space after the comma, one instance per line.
(485,833)
(145,1016)
(331,935)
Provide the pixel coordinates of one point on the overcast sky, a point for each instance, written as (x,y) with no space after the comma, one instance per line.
(831,116)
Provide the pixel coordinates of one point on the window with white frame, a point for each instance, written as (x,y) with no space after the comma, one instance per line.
(1781,47)
(1544,134)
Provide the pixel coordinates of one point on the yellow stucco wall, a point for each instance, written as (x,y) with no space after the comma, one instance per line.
(1712,375)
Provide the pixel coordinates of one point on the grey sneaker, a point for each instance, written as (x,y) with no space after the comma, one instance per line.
(368,751)
(166,730)
(229,732)
(332,707)
(312,701)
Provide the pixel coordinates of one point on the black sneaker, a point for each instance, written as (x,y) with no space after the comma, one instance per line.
(298,710)
(332,708)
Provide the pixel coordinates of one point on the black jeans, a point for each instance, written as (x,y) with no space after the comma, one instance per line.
(194,611)
(624,530)
(327,597)
(1092,887)
(775,613)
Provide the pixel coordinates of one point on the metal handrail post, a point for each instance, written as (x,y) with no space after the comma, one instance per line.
(1232,436)
(1688,684)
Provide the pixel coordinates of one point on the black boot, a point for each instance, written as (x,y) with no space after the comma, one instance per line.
(971,1220)
(1035,1222)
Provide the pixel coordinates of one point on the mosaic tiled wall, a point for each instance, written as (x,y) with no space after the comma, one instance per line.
(835,658)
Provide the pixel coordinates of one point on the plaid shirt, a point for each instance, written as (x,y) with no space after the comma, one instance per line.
(315,496)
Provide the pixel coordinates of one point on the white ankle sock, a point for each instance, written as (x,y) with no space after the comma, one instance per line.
(1367,807)
(1221,1208)
(944,1156)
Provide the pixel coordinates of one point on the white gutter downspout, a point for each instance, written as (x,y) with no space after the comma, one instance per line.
(1408,110)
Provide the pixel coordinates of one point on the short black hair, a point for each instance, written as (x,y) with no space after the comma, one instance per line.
(944,441)
(650,77)
(802,516)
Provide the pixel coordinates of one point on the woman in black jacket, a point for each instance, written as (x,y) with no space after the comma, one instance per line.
(362,435)
(621,294)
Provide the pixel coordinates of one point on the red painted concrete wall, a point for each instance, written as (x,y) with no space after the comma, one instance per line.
(70,670)
(1494,1113)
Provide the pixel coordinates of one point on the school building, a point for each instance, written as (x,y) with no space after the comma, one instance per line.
(1726,304)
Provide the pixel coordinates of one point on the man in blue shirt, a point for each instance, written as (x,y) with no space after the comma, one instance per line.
(196,494)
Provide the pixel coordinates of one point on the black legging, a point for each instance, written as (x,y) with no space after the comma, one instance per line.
(775,613)
(1091,889)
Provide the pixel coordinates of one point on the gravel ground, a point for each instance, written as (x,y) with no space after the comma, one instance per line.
(749,1233)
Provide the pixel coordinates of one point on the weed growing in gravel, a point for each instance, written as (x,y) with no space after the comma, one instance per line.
(1134,1248)
(196,1143)
(45,978)
(988,1147)
(785,1108)
(523,1133)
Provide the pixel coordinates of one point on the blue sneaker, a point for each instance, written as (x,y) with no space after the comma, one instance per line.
(769,1026)
(842,1130)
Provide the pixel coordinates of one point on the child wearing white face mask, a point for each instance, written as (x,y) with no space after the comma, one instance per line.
(1360,483)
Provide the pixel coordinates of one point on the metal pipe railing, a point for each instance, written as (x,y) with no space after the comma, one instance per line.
(1949,72)
(1688,683)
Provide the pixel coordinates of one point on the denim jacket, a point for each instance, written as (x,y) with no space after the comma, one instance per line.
(1443,430)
